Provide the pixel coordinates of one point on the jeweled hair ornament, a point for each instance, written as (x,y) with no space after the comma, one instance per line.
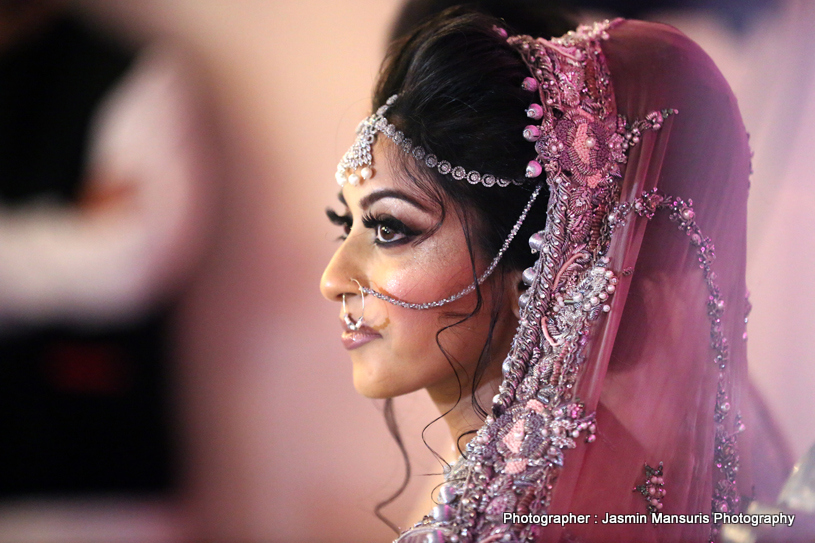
(357,163)
(572,314)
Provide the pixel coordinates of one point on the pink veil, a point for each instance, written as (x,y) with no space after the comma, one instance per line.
(621,392)
(651,368)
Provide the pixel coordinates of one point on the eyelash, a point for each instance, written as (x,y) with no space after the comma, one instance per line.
(340,220)
(374,223)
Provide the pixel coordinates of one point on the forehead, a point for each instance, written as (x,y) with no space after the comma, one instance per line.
(393,170)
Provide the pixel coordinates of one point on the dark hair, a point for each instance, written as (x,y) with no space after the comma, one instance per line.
(539,18)
(460,97)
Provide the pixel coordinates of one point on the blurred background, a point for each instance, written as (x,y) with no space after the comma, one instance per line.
(168,368)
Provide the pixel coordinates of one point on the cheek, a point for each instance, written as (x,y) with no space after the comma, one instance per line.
(430,273)
(406,359)
(409,359)
(412,335)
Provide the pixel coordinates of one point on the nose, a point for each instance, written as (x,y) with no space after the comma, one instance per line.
(341,274)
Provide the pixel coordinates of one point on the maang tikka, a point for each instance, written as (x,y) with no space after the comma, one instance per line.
(357,163)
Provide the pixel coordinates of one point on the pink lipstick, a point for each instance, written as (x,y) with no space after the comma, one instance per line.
(353,339)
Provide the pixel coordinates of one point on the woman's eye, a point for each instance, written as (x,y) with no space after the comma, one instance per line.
(388,230)
(384,234)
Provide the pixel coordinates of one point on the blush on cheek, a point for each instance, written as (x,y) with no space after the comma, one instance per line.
(428,282)
(420,326)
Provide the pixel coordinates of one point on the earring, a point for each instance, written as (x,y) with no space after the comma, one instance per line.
(349,321)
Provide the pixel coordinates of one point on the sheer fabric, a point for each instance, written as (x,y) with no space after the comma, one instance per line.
(650,368)
(659,374)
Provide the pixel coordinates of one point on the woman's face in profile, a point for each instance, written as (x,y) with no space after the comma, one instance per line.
(389,245)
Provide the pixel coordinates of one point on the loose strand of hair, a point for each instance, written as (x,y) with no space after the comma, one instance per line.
(393,429)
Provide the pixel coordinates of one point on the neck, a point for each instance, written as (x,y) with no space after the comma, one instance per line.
(455,399)
(461,417)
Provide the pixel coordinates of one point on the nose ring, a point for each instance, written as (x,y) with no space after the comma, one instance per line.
(349,321)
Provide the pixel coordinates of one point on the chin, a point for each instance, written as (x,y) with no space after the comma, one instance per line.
(373,393)
(375,388)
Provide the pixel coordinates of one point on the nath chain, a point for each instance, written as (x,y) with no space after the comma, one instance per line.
(470,288)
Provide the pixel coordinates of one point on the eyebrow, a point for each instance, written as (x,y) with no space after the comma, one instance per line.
(375,196)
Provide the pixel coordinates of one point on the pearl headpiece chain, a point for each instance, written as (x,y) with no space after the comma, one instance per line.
(360,158)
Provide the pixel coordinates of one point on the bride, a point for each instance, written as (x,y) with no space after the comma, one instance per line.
(549,237)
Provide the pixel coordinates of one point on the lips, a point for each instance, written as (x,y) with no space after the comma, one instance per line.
(353,339)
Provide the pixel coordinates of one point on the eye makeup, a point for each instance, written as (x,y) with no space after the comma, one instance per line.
(389,230)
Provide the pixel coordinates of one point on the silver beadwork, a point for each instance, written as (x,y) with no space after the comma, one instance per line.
(360,154)
(726,456)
